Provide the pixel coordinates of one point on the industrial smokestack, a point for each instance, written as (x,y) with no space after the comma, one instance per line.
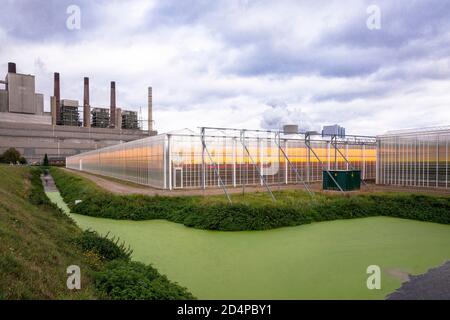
(86,105)
(53,110)
(11,67)
(119,118)
(150,110)
(112,111)
(57,95)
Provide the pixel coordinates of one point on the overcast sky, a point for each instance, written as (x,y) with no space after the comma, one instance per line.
(243,63)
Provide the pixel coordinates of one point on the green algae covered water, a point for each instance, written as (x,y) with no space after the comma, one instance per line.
(326,260)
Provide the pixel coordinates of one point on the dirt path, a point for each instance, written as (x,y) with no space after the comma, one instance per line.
(123,187)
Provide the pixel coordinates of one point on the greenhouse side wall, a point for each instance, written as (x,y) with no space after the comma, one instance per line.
(192,167)
(416,159)
(179,161)
(140,161)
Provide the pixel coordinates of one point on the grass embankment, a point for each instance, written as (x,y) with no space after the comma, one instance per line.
(38,242)
(249,212)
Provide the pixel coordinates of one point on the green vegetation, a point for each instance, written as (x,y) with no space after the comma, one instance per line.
(45,161)
(12,156)
(249,212)
(38,242)
(123,280)
(107,249)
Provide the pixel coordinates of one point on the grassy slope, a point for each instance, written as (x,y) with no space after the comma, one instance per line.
(249,212)
(36,243)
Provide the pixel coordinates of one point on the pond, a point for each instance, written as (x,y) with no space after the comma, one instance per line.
(326,260)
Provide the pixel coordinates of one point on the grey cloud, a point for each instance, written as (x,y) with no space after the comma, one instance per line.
(410,31)
(39,20)
(401,22)
(173,12)
(375,91)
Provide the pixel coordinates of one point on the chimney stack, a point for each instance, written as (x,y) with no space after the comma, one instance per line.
(150,110)
(112,111)
(53,110)
(57,95)
(11,67)
(119,118)
(86,105)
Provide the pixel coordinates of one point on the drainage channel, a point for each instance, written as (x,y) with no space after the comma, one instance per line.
(53,194)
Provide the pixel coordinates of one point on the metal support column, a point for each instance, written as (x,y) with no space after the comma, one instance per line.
(169,162)
(295,170)
(256,166)
(215,167)
(234,161)
(203,159)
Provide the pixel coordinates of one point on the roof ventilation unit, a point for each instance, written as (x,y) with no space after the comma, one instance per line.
(290,129)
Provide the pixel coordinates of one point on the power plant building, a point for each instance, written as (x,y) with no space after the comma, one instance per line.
(65,130)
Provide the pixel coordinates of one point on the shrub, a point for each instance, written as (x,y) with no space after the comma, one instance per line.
(122,280)
(12,156)
(36,194)
(107,249)
(257,215)
(45,161)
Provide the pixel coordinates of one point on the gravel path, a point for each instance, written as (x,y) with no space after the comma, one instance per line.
(433,285)
(124,187)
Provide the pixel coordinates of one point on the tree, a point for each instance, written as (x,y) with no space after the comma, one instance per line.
(11,156)
(45,163)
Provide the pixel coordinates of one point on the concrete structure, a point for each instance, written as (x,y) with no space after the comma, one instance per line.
(19,95)
(25,126)
(335,130)
(33,140)
(290,129)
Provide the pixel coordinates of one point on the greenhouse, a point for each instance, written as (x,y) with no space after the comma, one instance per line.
(415,158)
(230,158)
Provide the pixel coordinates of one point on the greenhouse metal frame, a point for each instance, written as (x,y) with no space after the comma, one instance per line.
(414,158)
(229,158)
